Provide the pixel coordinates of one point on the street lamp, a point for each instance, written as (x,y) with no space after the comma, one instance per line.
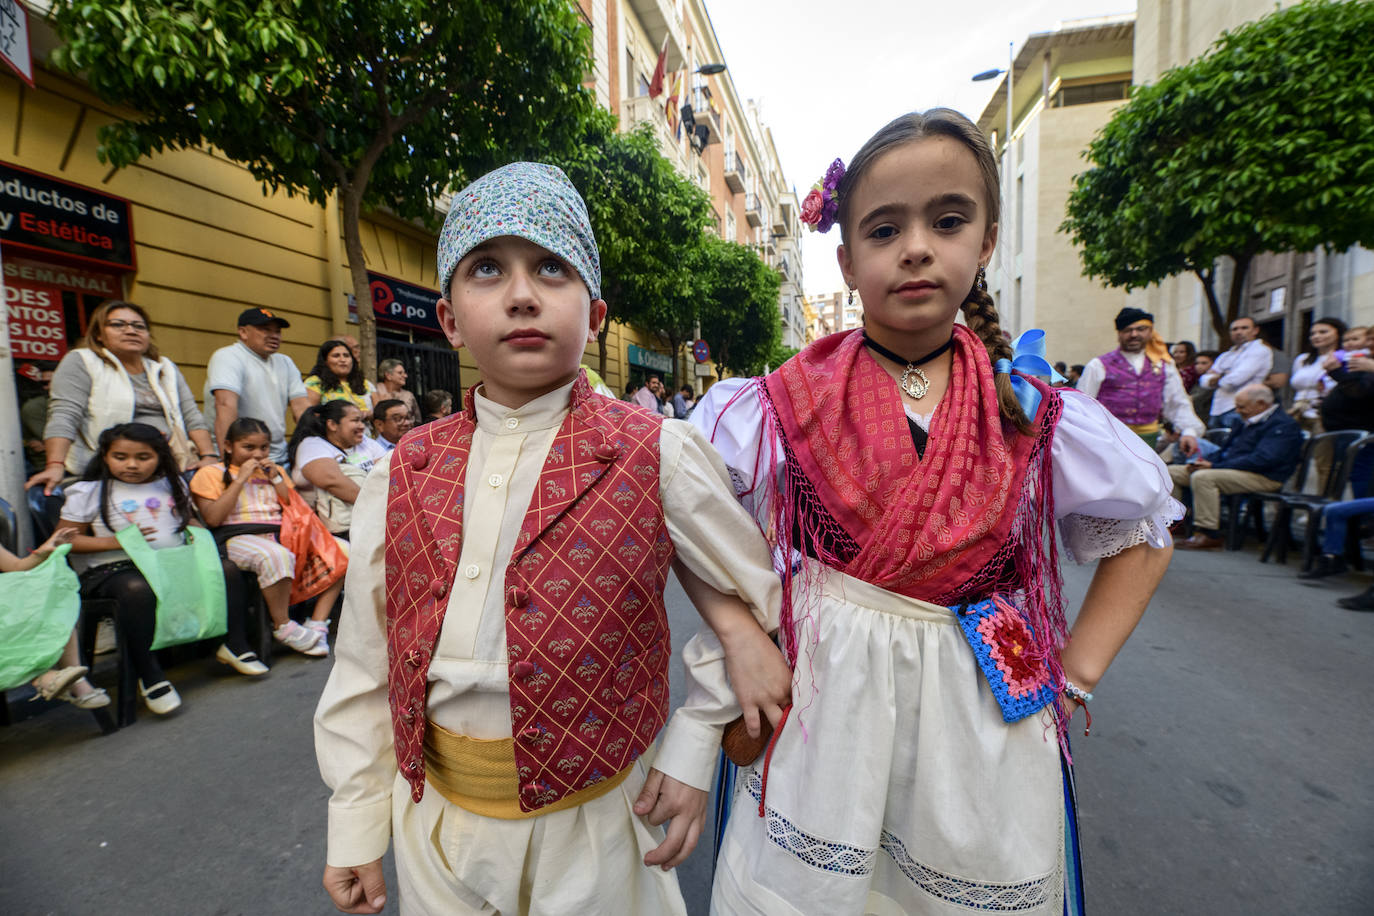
(1006,179)
(710,69)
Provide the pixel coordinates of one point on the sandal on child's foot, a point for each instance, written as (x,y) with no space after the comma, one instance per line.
(246,663)
(52,684)
(95,698)
(161,698)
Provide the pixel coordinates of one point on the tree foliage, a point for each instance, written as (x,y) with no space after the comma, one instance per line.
(647,219)
(386,104)
(737,296)
(1266,143)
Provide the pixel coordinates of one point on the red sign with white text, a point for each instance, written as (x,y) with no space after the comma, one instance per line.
(37,329)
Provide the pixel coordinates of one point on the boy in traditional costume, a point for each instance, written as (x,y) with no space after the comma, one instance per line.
(502,660)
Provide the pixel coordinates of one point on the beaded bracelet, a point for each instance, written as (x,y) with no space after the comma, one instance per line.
(1078,693)
(1082,697)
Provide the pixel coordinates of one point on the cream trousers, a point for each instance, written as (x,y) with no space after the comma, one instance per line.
(1209,483)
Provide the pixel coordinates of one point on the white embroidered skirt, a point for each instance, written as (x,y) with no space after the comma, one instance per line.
(909,793)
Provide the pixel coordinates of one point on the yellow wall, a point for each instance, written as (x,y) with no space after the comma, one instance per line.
(211,242)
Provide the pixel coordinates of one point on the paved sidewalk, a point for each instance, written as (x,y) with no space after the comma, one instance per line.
(1228,772)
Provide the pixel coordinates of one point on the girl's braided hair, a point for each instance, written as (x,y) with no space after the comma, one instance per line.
(980,312)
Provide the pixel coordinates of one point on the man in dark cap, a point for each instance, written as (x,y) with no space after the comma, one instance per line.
(251,379)
(1139,383)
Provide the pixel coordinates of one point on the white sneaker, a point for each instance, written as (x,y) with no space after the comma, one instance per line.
(302,639)
(321,627)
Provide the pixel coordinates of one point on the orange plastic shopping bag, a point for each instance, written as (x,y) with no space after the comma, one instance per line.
(320,561)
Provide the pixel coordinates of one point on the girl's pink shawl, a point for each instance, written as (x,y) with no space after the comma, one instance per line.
(972,517)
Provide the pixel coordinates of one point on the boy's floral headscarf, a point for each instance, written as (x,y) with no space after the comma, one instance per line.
(530,200)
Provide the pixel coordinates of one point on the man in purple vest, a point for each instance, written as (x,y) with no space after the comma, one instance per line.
(1138,383)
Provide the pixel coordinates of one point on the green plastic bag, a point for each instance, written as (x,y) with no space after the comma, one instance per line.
(38,609)
(189,584)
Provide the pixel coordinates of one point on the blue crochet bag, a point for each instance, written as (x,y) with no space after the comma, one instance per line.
(1000,636)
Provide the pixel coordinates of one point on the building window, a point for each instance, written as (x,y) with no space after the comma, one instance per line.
(1095,92)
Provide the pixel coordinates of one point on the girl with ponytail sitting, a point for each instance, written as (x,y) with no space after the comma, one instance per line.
(244,500)
(908,479)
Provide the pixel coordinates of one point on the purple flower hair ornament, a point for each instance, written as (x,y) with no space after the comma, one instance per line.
(822,203)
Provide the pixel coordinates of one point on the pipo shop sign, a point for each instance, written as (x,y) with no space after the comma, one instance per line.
(37,329)
(39,213)
(397,302)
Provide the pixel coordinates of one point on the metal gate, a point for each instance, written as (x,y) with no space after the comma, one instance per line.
(427,367)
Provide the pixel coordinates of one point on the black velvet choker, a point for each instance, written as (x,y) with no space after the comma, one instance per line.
(914,382)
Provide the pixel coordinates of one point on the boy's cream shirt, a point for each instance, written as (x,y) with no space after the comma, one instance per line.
(469,689)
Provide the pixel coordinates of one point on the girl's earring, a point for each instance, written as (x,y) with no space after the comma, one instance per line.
(982,280)
(851,296)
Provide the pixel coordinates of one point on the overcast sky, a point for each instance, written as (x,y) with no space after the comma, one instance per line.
(828,73)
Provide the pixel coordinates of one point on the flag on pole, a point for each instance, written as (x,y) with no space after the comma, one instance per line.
(672,105)
(660,71)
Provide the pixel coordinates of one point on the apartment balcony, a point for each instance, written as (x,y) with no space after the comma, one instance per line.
(753,212)
(735,173)
(659,19)
(706,116)
(782,218)
(641,108)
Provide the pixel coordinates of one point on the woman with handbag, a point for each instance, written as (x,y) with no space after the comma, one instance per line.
(246,500)
(131,506)
(331,458)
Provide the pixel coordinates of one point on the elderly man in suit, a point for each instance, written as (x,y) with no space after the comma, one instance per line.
(1260,455)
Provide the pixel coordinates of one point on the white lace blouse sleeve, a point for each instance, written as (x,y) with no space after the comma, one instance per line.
(1111,491)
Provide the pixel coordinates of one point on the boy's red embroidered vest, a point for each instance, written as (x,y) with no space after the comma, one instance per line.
(586,630)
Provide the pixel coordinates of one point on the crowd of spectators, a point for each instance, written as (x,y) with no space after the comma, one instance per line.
(116,441)
(1267,406)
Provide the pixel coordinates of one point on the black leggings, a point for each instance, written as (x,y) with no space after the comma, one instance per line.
(137,614)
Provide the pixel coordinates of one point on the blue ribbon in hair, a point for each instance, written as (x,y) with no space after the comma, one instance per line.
(1028,356)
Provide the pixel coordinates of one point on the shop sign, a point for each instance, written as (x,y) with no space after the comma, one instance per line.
(44,214)
(659,362)
(77,279)
(37,328)
(14,39)
(397,302)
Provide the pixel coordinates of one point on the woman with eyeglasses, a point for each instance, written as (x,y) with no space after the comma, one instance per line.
(118,376)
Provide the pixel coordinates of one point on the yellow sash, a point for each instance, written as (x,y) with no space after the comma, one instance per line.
(479,776)
(1144,429)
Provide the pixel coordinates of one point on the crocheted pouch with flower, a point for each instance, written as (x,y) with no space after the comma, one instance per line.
(1004,645)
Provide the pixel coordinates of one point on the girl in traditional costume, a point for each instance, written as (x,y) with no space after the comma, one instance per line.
(907,476)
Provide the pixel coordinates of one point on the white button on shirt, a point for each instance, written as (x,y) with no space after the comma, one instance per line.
(472,571)
(496,480)
(512,422)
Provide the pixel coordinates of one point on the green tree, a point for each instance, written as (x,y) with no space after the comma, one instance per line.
(1266,143)
(384,104)
(738,307)
(647,218)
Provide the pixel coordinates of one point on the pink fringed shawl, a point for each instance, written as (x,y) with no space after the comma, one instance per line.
(971,518)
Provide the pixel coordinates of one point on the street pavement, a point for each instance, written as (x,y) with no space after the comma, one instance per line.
(1228,772)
